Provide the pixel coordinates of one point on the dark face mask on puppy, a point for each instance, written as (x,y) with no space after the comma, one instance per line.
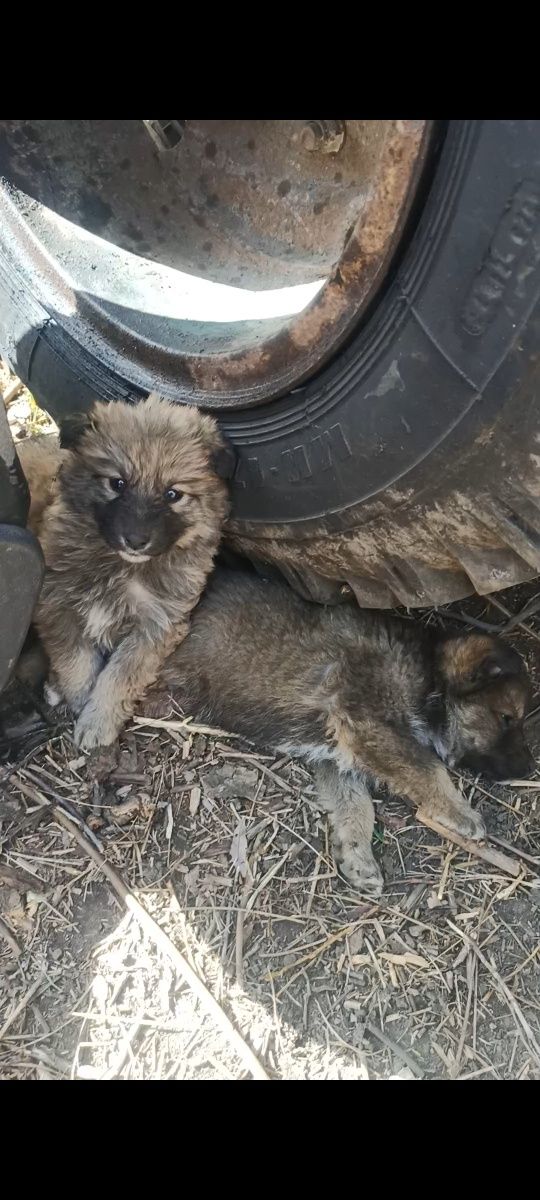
(487,694)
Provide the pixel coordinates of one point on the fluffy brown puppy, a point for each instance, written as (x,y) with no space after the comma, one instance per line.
(129,540)
(361,697)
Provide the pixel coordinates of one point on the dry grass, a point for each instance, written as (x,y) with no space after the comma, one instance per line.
(220,844)
(25,417)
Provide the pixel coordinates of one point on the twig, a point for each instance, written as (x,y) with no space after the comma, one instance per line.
(523,964)
(6,934)
(266,878)
(530,858)
(38,797)
(512,621)
(471,970)
(13,390)
(486,853)
(255,760)
(163,941)
(27,822)
(125,1049)
(19,1008)
(517,620)
(532,784)
(21,880)
(346,1045)
(486,626)
(51,1060)
(313,887)
(319,947)
(393,1046)
(522,1025)
(239,938)
(183,727)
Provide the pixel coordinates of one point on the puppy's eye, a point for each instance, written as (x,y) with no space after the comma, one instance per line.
(172,495)
(507,720)
(117,485)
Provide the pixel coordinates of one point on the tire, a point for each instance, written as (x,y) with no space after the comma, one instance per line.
(407,469)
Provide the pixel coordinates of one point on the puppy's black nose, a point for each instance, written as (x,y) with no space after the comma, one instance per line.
(136,541)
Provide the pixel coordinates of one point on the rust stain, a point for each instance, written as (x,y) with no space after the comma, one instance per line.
(290,356)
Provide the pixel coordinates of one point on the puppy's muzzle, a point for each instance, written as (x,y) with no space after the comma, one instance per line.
(135,541)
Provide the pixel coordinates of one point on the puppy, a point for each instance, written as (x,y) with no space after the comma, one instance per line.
(129,537)
(362,697)
(41,459)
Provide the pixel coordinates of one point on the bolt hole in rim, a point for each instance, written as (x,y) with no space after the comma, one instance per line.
(336,194)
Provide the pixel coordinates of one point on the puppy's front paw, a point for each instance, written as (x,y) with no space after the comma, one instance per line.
(465,821)
(476,826)
(95,727)
(359,868)
(53,697)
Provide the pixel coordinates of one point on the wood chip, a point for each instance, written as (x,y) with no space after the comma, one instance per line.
(406,960)
(194,800)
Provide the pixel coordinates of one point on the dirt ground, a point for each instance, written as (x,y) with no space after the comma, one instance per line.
(438,980)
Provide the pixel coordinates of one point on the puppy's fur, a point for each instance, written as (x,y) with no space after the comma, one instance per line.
(362,697)
(41,459)
(129,540)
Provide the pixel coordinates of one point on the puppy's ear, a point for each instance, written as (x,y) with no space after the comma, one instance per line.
(221,452)
(224,458)
(72,429)
(472,663)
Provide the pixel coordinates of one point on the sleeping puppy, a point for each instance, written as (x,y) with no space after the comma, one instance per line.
(129,531)
(362,697)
